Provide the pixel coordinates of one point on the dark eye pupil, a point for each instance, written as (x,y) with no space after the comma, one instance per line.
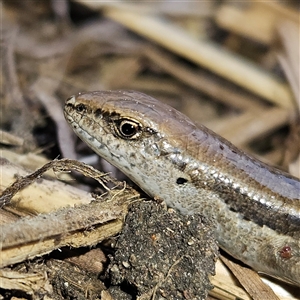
(128,129)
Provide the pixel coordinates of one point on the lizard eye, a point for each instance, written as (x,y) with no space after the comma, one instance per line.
(128,129)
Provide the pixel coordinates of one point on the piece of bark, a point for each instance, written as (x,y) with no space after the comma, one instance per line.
(40,196)
(251,281)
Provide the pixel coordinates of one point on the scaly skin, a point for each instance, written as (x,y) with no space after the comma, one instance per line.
(256,208)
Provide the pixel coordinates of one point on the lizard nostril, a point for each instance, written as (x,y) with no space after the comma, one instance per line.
(71,100)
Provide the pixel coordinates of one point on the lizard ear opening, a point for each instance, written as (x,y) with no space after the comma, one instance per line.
(181,180)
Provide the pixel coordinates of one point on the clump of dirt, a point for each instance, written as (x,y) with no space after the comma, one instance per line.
(163,253)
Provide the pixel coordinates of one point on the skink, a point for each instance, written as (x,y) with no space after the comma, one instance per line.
(256,208)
